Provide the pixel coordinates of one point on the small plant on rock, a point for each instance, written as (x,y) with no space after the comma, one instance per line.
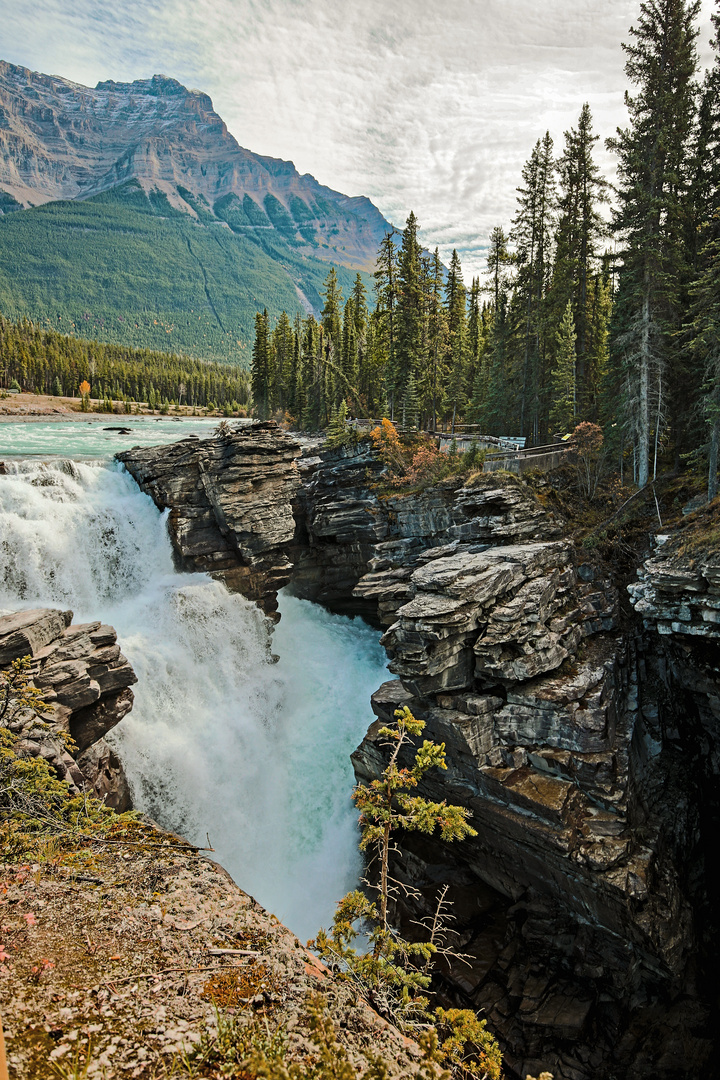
(586,447)
(17,692)
(395,973)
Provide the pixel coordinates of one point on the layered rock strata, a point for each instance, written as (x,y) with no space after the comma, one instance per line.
(586,905)
(230,502)
(86,680)
(577,904)
(356,548)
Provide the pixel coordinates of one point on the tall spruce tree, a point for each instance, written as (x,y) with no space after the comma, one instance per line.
(496,407)
(652,181)
(705,294)
(455,300)
(580,229)
(532,234)
(410,312)
(283,350)
(562,377)
(437,337)
(386,295)
(261,370)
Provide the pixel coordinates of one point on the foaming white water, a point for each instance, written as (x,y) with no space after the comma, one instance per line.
(221,740)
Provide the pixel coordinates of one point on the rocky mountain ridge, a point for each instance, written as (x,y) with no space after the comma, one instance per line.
(63,141)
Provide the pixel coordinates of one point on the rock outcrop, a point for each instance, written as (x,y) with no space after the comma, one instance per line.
(86,680)
(577,904)
(586,751)
(356,549)
(131,958)
(230,501)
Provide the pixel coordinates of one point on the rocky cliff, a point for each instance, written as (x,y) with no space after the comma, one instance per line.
(583,903)
(230,502)
(86,680)
(138,956)
(584,746)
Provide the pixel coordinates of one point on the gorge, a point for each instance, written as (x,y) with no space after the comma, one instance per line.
(582,737)
(586,898)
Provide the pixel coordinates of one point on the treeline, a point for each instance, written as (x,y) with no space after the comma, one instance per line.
(523,352)
(46,362)
(560,331)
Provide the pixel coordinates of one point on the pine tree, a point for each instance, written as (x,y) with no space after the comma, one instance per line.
(457,337)
(331,322)
(437,338)
(496,406)
(474,336)
(705,294)
(652,171)
(580,228)
(599,308)
(262,368)
(410,309)
(532,234)
(562,378)
(386,294)
(283,350)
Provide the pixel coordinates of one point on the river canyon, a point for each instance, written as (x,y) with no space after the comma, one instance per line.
(581,732)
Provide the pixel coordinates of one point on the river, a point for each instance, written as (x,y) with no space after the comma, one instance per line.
(223,742)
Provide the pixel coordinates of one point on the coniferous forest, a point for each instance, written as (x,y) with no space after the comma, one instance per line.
(599,304)
(46,362)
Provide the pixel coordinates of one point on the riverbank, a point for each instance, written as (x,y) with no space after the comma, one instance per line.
(33,407)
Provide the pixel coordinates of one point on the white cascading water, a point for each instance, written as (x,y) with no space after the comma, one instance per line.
(221,740)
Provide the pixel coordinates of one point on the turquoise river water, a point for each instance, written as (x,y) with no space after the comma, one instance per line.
(221,741)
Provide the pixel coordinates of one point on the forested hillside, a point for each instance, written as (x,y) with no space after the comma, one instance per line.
(563,329)
(47,362)
(129,213)
(131,268)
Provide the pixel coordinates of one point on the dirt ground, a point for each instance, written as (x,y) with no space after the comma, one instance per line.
(115,962)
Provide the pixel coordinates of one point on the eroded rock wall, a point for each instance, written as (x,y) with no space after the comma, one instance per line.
(585,751)
(577,903)
(86,680)
(230,501)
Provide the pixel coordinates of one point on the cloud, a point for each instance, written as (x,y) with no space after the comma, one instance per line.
(424,106)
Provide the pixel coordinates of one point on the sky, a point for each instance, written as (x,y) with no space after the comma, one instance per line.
(424,105)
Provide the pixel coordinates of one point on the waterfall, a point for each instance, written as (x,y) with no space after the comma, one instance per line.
(222,740)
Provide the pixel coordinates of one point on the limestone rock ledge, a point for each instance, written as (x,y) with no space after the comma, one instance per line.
(230,501)
(86,679)
(577,903)
(355,549)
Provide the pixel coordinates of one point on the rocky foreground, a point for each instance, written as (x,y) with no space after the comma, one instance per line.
(117,963)
(120,946)
(584,744)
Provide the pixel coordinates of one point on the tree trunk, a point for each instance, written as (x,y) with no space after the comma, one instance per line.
(713,462)
(643,439)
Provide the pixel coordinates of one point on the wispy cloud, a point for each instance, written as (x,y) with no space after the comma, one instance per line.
(424,106)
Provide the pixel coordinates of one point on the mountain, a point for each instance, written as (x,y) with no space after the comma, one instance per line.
(129,212)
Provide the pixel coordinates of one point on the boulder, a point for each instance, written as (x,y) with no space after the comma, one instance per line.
(85,679)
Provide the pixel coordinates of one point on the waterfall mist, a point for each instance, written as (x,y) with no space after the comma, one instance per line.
(221,740)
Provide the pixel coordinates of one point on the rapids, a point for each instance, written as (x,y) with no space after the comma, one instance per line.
(222,741)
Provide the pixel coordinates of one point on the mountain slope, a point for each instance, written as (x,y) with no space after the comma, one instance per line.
(129,211)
